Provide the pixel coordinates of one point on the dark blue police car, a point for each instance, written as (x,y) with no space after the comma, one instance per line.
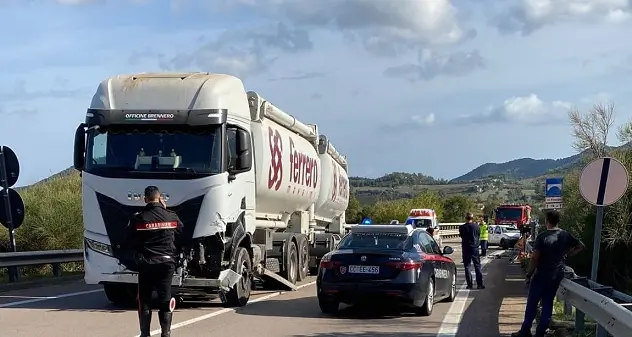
(392,264)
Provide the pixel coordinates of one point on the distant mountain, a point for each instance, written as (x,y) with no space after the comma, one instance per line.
(526,168)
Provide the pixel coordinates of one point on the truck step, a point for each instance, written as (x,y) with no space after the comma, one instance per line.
(272,264)
(227,279)
(269,275)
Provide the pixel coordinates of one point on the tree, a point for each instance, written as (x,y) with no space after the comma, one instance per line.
(354,210)
(455,207)
(591,129)
(590,132)
(385,211)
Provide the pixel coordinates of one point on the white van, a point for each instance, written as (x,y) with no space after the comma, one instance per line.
(425,218)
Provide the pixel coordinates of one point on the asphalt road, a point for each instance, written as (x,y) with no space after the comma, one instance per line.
(77,309)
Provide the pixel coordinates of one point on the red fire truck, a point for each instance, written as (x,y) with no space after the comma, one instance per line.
(513,214)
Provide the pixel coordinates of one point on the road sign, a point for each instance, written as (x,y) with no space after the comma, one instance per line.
(17,210)
(553,187)
(12,209)
(552,200)
(554,205)
(11,165)
(603,182)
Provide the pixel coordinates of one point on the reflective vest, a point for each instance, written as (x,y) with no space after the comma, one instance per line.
(484,232)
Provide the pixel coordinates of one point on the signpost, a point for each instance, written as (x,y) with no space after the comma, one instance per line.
(553,193)
(12,209)
(602,183)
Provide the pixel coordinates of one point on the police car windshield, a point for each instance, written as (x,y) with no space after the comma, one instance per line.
(378,240)
(151,150)
(420,223)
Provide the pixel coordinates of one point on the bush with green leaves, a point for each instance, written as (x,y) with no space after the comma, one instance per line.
(53,218)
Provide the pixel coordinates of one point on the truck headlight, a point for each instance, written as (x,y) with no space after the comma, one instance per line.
(98,247)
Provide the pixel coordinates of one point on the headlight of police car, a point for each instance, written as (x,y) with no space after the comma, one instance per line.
(99,247)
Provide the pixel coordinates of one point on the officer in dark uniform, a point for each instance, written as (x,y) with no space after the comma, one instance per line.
(153,234)
(470,238)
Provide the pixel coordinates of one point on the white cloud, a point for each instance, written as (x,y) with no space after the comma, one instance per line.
(413,122)
(522,110)
(383,26)
(432,65)
(531,15)
(423,120)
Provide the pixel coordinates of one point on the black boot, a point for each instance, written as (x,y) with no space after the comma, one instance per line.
(144,319)
(165,323)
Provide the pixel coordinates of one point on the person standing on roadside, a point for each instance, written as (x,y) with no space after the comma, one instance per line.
(153,234)
(546,272)
(470,234)
(484,235)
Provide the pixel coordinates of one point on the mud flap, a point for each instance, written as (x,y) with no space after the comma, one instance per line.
(227,279)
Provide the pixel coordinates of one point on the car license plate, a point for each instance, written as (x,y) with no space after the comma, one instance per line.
(364,269)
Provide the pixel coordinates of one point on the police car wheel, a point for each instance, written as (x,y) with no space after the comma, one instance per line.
(328,305)
(239,294)
(426,308)
(452,296)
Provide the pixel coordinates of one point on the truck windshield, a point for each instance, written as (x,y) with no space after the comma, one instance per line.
(508,213)
(153,150)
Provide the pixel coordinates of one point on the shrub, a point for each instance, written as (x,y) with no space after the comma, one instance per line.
(53,218)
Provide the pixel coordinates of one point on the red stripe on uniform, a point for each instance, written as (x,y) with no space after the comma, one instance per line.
(156,225)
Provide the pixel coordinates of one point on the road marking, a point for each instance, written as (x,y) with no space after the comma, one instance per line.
(48,298)
(226,310)
(450,325)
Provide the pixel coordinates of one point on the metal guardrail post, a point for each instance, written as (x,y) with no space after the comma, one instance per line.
(57,269)
(568,308)
(580,325)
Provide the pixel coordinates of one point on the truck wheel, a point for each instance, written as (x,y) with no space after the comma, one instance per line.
(303,270)
(239,294)
(290,271)
(121,294)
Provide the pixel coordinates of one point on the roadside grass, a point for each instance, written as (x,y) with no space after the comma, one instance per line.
(53,220)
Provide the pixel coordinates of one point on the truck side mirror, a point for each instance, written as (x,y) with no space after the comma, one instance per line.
(244,151)
(80,148)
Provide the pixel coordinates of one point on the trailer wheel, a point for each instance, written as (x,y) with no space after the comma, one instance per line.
(290,271)
(304,259)
(239,295)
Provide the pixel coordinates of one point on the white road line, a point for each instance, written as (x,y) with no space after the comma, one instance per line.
(226,310)
(48,298)
(450,325)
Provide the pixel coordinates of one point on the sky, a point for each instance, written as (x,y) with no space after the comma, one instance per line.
(430,86)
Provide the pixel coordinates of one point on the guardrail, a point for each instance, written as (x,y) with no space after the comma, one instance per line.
(449,230)
(38,258)
(611,309)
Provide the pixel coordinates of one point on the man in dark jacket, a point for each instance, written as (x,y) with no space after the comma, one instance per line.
(546,272)
(153,234)
(470,238)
